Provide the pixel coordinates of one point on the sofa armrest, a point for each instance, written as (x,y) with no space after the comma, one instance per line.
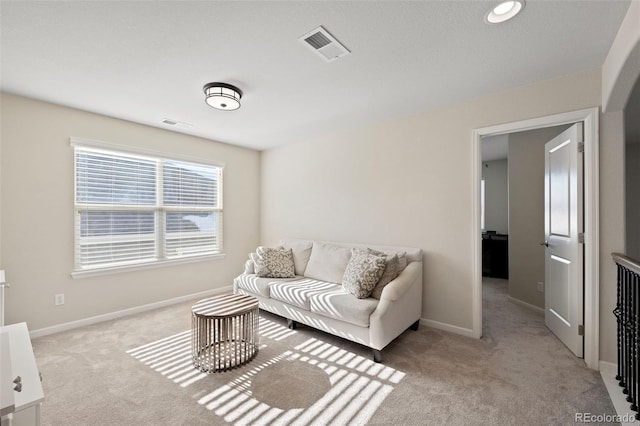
(400,306)
(249,267)
(396,288)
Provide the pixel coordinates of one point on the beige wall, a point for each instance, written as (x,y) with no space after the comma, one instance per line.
(620,71)
(526,213)
(405,181)
(496,196)
(632,173)
(632,199)
(37,215)
(611,224)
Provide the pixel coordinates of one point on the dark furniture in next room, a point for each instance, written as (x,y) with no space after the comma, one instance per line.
(495,255)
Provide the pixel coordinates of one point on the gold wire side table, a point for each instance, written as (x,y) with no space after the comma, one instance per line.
(224,332)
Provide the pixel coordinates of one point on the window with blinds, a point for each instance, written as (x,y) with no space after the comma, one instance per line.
(133,209)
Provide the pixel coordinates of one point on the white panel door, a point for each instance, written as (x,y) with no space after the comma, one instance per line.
(563,201)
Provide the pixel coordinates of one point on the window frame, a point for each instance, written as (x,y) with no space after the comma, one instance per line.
(159,209)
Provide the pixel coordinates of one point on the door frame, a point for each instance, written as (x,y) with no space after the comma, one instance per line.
(590,118)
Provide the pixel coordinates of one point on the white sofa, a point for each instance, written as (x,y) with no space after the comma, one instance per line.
(315,296)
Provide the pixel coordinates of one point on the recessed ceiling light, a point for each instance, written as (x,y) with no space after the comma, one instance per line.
(504,11)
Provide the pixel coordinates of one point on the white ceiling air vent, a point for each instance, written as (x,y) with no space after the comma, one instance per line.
(176,123)
(324,44)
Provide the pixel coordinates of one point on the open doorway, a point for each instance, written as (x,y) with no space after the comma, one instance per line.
(514,241)
(513,176)
(494,200)
(589,118)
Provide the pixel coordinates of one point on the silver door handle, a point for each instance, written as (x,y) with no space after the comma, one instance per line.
(546,243)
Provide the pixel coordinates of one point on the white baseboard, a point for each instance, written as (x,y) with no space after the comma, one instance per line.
(526,305)
(125,312)
(608,368)
(467,332)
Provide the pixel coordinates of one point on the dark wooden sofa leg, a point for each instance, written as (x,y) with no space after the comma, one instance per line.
(377,355)
(415,325)
(291,324)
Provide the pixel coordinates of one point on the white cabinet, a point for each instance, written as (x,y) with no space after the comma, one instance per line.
(18,361)
(7,400)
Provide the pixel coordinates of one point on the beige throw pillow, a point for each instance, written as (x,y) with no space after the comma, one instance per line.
(363,273)
(274,263)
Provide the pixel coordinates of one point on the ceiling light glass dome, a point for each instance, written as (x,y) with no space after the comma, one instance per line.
(222,96)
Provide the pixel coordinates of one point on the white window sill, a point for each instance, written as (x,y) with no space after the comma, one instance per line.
(142,266)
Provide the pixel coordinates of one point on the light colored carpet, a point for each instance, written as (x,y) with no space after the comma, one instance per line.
(136,371)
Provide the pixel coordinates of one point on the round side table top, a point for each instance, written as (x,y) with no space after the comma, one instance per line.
(224,305)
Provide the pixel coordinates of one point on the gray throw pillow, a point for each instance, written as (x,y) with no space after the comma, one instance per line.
(390,273)
(363,273)
(402,259)
(274,263)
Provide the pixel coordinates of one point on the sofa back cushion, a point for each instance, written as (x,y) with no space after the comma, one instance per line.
(301,252)
(327,262)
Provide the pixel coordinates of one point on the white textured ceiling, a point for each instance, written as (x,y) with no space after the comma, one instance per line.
(145,60)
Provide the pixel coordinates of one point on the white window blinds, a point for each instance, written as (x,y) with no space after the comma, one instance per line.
(192,208)
(134,209)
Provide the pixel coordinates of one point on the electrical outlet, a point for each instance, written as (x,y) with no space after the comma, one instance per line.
(60,299)
(540,287)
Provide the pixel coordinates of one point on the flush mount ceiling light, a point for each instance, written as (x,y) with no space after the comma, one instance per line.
(504,11)
(222,96)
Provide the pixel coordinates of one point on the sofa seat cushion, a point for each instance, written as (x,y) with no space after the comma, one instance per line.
(258,285)
(340,304)
(299,292)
